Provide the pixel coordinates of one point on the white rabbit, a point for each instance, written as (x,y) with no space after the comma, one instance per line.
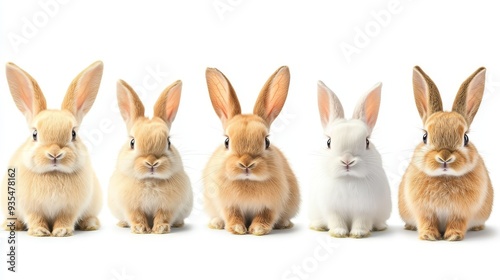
(350,194)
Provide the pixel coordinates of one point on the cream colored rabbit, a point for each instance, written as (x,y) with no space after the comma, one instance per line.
(149,190)
(56,186)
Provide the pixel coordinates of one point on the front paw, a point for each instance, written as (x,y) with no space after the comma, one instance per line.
(161,228)
(338,232)
(359,233)
(237,229)
(39,231)
(430,235)
(454,235)
(140,229)
(259,229)
(62,232)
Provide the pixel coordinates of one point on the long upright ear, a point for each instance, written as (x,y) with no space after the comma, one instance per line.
(329,105)
(427,97)
(83,90)
(129,103)
(25,91)
(222,95)
(368,107)
(470,94)
(273,95)
(167,104)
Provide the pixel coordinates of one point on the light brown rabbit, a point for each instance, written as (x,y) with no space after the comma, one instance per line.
(446,189)
(149,190)
(56,186)
(248,182)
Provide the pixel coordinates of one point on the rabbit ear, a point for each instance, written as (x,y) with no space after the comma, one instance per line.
(470,94)
(167,104)
(427,95)
(329,105)
(273,95)
(27,95)
(368,107)
(129,103)
(222,95)
(83,91)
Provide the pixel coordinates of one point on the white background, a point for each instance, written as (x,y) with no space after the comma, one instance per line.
(248,42)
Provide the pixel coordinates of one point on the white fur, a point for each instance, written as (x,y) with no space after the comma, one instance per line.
(355,201)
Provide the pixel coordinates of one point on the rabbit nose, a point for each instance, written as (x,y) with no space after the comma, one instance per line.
(348,162)
(246,166)
(445,156)
(152,165)
(55,156)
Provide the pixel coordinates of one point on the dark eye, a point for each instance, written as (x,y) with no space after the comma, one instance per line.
(367,143)
(35,135)
(132,143)
(329,142)
(466,139)
(168,139)
(425,138)
(268,143)
(73,135)
(226,143)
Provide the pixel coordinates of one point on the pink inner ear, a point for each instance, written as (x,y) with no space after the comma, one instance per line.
(324,107)
(371,110)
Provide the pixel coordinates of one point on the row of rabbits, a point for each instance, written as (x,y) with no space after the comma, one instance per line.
(249,187)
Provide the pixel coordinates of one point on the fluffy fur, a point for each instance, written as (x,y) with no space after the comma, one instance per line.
(249,187)
(350,194)
(149,190)
(446,189)
(56,186)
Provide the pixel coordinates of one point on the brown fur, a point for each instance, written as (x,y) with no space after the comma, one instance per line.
(446,206)
(53,202)
(149,204)
(271,197)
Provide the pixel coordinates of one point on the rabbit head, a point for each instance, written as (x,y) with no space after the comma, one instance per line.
(148,152)
(54,144)
(445,147)
(349,151)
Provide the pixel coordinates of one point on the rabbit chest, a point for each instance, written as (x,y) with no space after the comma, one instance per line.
(254,195)
(450,194)
(54,192)
(155,194)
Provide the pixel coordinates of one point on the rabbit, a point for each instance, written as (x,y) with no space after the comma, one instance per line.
(149,190)
(56,188)
(249,187)
(446,189)
(350,194)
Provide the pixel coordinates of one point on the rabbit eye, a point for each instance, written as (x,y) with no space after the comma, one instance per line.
(226,143)
(168,139)
(425,138)
(35,135)
(466,139)
(132,143)
(367,143)
(73,135)
(268,143)
(329,142)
